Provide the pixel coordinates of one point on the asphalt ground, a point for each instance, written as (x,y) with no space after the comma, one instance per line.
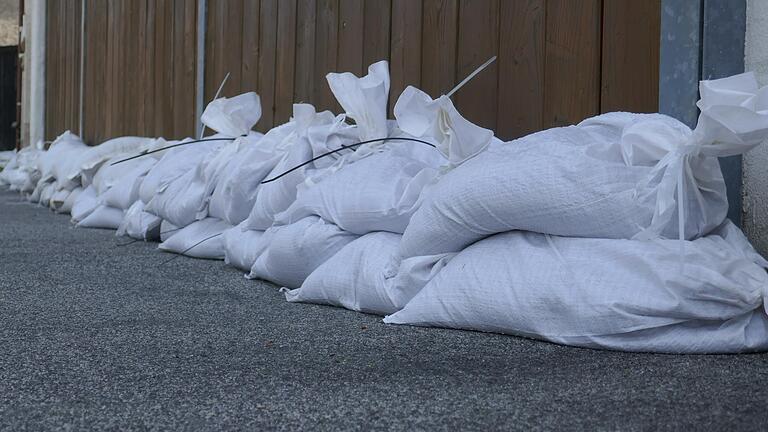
(98,336)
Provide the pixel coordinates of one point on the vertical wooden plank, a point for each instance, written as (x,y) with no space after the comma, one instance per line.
(521,68)
(111,96)
(210,51)
(303,90)
(440,37)
(267,58)
(183,69)
(150,103)
(351,21)
(572,61)
(405,47)
(376,25)
(630,56)
(250,55)
(232,47)
(141,67)
(326,53)
(478,41)
(286,61)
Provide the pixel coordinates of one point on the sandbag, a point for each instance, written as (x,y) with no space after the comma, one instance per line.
(242,247)
(294,251)
(235,193)
(123,188)
(58,198)
(274,197)
(139,224)
(83,168)
(182,198)
(377,193)
(46,193)
(222,167)
(233,116)
(604,293)
(602,178)
(201,239)
(53,163)
(102,216)
(68,204)
(353,278)
(85,203)
(174,163)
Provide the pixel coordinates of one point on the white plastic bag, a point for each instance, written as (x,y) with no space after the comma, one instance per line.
(66,207)
(139,224)
(242,247)
(275,196)
(103,216)
(364,99)
(598,179)
(122,190)
(174,163)
(85,203)
(353,278)
(83,167)
(377,193)
(294,251)
(234,116)
(604,293)
(201,239)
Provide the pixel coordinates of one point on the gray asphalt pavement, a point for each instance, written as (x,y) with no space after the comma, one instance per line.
(96,336)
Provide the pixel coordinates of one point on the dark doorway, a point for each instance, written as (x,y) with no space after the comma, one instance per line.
(8,57)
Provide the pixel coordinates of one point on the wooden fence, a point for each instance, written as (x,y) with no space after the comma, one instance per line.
(559,61)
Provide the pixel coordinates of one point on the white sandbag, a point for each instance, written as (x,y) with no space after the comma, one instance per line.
(601,178)
(242,247)
(604,293)
(274,197)
(294,251)
(201,239)
(364,99)
(180,200)
(58,198)
(46,193)
(456,138)
(174,163)
(222,167)
(102,216)
(139,224)
(85,203)
(167,229)
(21,174)
(63,150)
(233,116)
(237,188)
(123,188)
(377,193)
(66,207)
(84,167)
(353,278)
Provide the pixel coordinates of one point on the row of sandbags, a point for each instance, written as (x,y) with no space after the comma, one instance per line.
(607,234)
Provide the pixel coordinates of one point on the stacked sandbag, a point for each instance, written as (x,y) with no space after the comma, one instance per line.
(21,173)
(604,293)
(53,188)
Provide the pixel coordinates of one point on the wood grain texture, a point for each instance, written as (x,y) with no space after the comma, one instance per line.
(285,63)
(572,61)
(478,41)
(440,38)
(521,68)
(630,60)
(405,47)
(559,61)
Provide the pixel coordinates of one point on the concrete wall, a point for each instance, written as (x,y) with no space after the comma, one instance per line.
(9,22)
(756,161)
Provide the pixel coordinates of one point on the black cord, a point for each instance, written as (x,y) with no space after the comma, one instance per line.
(171,146)
(190,248)
(343,147)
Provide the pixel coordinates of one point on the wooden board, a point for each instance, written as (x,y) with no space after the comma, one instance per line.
(559,61)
